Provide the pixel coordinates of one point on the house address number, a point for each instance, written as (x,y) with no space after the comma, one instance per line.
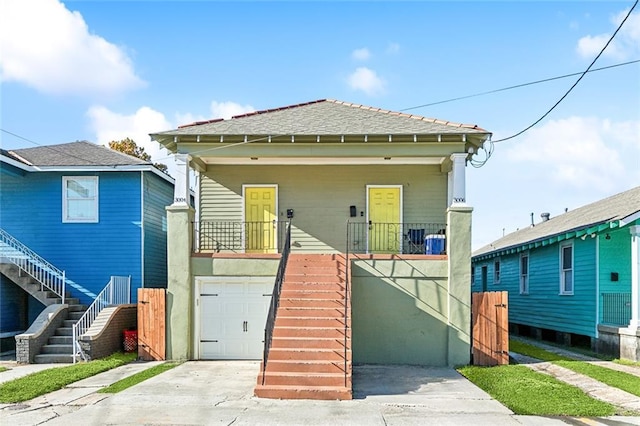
(180,200)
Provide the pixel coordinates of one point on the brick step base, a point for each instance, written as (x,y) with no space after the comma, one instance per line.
(311,392)
(305,379)
(308,366)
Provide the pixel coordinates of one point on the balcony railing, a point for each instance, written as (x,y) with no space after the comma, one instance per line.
(405,238)
(239,237)
(615,308)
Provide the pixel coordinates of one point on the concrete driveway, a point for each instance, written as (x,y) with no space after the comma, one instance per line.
(221,393)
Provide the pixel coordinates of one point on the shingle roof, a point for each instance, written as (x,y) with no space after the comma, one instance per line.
(324,117)
(80,153)
(611,209)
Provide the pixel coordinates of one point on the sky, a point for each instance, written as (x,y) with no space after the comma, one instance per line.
(107,70)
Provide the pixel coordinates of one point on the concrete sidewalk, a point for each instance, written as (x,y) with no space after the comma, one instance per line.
(221,393)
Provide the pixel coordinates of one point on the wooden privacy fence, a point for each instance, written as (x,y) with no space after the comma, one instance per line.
(490,315)
(151,324)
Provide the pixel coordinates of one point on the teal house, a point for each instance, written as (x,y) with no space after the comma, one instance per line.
(572,278)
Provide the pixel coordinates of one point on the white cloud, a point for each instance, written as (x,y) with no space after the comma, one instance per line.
(109,126)
(393,48)
(228,109)
(49,48)
(225,109)
(361,54)
(625,45)
(565,163)
(366,80)
(581,152)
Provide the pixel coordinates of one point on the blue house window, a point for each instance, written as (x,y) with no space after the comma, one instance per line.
(496,272)
(80,199)
(566,268)
(524,273)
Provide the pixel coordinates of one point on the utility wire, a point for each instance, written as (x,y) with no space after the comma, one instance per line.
(517,86)
(574,84)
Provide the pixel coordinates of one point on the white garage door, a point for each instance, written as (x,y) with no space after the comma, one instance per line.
(232,312)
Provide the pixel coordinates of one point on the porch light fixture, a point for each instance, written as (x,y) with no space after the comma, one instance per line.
(607,237)
(254,158)
(387,158)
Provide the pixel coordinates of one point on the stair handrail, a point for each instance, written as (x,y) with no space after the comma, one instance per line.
(35,265)
(346,302)
(275,299)
(116,292)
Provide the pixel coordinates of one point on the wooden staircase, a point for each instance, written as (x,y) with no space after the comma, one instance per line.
(307,356)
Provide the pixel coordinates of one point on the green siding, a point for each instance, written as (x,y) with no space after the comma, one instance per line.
(321,196)
(158,193)
(543,306)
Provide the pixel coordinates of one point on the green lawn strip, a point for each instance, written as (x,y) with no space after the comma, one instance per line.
(627,362)
(52,379)
(535,351)
(528,392)
(3,369)
(618,379)
(134,379)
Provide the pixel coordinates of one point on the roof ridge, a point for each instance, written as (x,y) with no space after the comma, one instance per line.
(344,103)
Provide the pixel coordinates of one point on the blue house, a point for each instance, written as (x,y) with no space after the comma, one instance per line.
(574,277)
(87,210)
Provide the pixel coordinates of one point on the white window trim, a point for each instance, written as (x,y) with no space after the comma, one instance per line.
(563,292)
(96,217)
(523,289)
(496,276)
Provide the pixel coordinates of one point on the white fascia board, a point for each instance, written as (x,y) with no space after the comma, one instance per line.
(629,219)
(16,164)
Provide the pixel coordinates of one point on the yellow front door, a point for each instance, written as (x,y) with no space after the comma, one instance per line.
(385,228)
(260,217)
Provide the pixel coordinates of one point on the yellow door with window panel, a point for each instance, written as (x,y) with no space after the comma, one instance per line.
(385,228)
(260,219)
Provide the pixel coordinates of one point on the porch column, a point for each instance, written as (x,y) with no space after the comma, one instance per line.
(459,279)
(635,277)
(180,216)
(181,188)
(457,181)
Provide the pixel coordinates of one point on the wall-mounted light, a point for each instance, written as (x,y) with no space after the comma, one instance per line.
(607,237)
(387,158)
(254,158)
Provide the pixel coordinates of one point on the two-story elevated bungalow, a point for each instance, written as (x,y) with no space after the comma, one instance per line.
(357,215)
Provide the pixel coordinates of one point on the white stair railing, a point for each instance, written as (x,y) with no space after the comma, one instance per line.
(116,292)
(49,277)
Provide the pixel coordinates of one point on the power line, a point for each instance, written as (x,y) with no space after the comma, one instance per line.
(517,86)
(574,84)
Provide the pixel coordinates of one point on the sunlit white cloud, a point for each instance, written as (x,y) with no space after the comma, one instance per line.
(367,81)
(361,54)
(625,45)
(110,126)
(225,109)
(51,49)
(581,152)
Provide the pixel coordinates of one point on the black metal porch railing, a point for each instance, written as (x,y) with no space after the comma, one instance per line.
(615,308)
(275,299)
(405,238)
(238,236)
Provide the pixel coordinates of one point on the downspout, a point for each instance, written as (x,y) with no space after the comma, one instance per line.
(142,227)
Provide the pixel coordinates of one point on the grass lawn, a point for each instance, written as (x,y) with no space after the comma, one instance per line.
(528,392)
(45,381)
(127,382)
(618,379)
(3,369)
(626,362)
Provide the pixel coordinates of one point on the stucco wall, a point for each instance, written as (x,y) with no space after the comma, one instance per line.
(399,312)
